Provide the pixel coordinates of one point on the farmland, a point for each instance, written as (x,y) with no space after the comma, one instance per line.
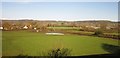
(36,43)
(59,29)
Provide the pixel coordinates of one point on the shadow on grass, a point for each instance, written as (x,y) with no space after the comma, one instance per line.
(114,50)
(65,52)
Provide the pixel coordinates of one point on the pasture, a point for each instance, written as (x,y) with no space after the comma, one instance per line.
(35,44)
(77,28)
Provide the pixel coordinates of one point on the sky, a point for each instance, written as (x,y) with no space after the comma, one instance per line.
(69,11)
(60,0)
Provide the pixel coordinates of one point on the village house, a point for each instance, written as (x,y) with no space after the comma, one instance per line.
(35,28)
(1,28)
(96,27)
(25,27)
(110,27)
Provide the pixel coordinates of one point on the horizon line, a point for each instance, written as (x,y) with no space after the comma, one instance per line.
(62,19)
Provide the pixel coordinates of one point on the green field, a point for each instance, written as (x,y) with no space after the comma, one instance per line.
(77,29)
(35,44)
(70,28)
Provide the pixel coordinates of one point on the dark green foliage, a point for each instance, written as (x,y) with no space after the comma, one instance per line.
(98,32)
(22,56)
(56,53)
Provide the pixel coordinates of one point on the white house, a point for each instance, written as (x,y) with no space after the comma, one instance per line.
(1,28)
(96,27)
(110,27)
(25,27)
(35,28)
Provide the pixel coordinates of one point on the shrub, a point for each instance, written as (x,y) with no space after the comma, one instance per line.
(59,52)
(98,32)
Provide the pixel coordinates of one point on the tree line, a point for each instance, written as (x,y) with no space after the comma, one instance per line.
(42,25)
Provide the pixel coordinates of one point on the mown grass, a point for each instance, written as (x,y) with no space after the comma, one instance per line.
(35,44)
(63,28)
(77,29)
(112,33)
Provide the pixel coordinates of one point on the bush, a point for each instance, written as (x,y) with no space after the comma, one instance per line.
(56,53)
(98,32)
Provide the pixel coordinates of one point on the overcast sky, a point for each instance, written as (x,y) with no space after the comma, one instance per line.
(61,10)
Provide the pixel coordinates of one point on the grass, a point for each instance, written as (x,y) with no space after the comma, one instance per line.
(77,29)
(35,44)
(63,28)
(112,33)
